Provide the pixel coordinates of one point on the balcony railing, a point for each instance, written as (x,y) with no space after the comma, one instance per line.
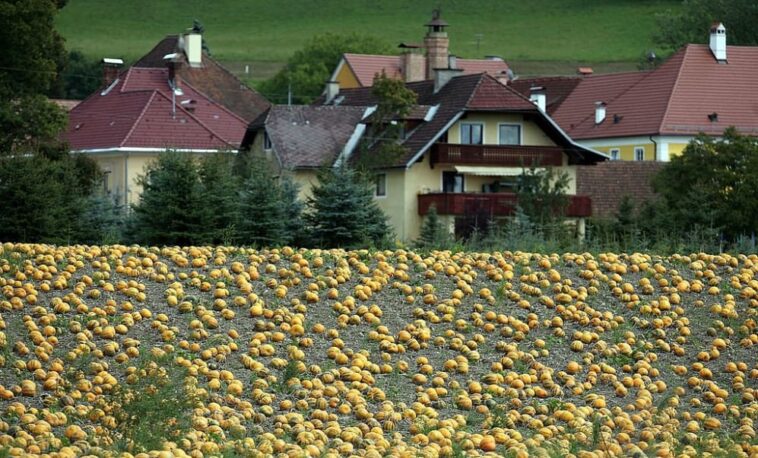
(490,204)
(502,155)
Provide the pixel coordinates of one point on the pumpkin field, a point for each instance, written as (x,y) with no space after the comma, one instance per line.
(226,351)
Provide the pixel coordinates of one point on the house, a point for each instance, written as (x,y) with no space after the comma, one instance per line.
(653,115)
(299,140)
(416,63)
(175,97)
(464,146)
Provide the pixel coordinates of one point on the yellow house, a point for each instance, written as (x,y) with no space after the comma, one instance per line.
(464,146)
(653,115)
(174,97)
(417,62)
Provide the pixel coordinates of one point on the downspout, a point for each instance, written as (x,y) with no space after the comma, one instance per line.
(655,149)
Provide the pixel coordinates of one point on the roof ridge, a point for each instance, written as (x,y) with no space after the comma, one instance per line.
(138,119)
(128,73)
(673,89)
(476,88)
(219,105)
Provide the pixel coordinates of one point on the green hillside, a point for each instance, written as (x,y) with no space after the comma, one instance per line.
(539,31)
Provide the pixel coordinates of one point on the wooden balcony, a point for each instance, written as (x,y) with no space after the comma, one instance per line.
(502,155)
(490,204)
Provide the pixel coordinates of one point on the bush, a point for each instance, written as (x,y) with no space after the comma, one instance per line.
(434,234)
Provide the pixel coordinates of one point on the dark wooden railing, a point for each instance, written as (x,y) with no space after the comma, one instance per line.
(490,204)
(503,155)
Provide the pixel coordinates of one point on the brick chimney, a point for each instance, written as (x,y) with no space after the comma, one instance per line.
(111,68)
(437,44)
(412,63)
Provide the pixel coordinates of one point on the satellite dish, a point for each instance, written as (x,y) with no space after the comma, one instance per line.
(651,56)
(511,76)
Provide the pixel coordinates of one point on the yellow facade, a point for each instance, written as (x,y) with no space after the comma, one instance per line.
(531,134)
(627,152)
(403,185)
(675,149)
(346,77)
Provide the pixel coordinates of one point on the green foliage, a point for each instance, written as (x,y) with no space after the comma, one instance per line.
(79,77)
(434,234)
(292,209)
(342,212)
(43,198)
(692,23)
(157,407)
(711,185)
(101,221)
(543,199)
(33,51)
(262,218)
(171,209)
(381,145)
(309,68)
(220,194)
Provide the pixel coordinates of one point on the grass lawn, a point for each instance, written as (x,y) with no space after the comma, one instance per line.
(587,31)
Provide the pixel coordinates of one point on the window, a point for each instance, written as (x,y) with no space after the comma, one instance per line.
(639,153)
(381,185)
(266,141)
(615,154)
(510,134)
(452,182)
(472,134)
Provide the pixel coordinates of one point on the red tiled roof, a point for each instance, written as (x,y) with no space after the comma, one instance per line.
(366,66)
(674,99)
(137,112)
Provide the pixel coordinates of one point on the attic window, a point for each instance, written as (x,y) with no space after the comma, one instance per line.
(617,118)
(713,117)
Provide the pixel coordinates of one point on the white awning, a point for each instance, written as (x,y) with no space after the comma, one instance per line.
(491,171)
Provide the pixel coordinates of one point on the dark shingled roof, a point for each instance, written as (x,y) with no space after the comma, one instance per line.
(557,88)
(211,78)
(306,136)
(461,94)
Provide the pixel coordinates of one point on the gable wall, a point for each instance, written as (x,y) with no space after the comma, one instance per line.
(531,133)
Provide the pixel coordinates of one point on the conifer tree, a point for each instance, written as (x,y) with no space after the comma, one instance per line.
(434,234)
(342,211)
(170,210)
(262,215)
(220,194)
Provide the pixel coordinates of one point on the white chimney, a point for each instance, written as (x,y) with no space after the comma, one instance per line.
(718,41)
(332,91)
(193,48)
(452,62)
(538,96)
(599,112)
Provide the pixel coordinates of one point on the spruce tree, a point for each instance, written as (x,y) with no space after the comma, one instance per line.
(342,211)
(220,193)
(262,217)
(170,210)
(434,234)
(292,209)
